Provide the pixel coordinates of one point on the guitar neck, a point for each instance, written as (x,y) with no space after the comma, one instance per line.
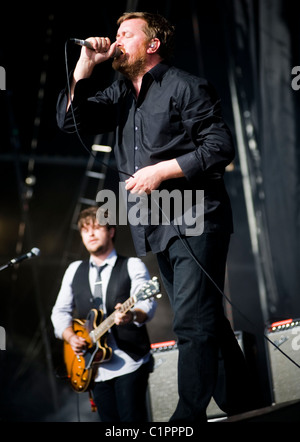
(110,320)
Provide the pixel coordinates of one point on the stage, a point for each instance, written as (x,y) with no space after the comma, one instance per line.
(285,412)
(247,50)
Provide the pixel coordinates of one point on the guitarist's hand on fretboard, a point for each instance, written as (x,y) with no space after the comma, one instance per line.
(122,318)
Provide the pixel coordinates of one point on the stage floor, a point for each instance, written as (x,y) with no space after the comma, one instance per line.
(285,412)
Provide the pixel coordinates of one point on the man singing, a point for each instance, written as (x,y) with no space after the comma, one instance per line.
(170,134)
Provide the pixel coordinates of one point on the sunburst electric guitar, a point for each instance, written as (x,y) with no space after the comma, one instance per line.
(81,369)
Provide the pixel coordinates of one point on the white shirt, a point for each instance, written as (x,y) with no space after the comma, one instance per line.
(120,363)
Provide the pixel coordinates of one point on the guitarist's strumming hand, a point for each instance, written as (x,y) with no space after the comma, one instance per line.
(77,343)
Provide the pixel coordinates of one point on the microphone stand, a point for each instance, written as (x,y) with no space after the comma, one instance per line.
(33,253)
(5,266)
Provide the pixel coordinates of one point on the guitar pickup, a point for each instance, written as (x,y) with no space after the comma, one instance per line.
(92,336)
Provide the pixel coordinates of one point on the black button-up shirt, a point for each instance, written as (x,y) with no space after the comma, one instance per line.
(176,115)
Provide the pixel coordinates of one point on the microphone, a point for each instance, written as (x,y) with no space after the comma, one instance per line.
(87,44)
(33,252)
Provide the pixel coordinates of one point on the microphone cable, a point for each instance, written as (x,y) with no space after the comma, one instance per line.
(182,239)
(191,253)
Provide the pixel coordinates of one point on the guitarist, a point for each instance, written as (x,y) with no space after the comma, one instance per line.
(119,387)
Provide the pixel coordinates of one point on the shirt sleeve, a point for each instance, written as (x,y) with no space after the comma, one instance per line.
(61,316)
(139,275)
(203,121)
(91,112)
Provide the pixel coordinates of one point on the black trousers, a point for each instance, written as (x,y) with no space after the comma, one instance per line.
(123,399)
(200,324)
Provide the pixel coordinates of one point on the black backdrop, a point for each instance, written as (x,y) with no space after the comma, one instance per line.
(261,40)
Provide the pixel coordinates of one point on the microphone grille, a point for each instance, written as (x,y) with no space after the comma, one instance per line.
(35,251)
(116,52)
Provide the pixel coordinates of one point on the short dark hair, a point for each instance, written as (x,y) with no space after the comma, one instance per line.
(156,27)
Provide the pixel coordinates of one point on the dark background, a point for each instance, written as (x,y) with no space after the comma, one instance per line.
(255,43)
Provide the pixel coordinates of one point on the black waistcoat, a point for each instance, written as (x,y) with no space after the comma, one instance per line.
(129,338)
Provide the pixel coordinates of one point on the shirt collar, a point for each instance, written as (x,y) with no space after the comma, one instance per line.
(156,74)
(158,71)
(110,260)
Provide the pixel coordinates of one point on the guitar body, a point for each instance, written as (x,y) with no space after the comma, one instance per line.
(81,369)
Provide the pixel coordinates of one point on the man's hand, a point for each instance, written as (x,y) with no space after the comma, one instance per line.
(122,318)
(102,50)
(149,178)
(126,318)
(144,180)
(89,58)
(77,343)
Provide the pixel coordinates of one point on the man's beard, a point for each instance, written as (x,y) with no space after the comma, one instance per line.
(132,70)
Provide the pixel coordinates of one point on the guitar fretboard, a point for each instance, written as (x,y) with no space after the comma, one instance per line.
(110,320)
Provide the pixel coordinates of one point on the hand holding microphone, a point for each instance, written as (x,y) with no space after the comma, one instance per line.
(99,49)
(101,45)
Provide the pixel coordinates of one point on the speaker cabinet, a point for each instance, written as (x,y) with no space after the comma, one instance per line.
(162,384)
(284,374)
(163,395)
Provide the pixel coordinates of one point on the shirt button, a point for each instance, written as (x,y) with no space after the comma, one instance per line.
(136,148)
(136,167)
(136,128)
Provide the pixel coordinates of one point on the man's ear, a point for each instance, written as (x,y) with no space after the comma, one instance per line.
(153,46)
(112,232)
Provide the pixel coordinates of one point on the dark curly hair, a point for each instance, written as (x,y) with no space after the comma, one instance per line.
(94,214)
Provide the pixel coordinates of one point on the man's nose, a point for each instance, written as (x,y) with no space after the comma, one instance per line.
(119,40)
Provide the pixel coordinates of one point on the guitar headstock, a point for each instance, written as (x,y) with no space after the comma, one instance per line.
(150,289)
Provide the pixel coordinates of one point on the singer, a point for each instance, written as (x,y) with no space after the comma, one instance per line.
(170,134)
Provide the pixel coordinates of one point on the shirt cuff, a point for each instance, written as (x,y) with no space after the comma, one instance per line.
(189,164)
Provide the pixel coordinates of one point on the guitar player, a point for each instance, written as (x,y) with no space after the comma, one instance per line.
(120,383)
